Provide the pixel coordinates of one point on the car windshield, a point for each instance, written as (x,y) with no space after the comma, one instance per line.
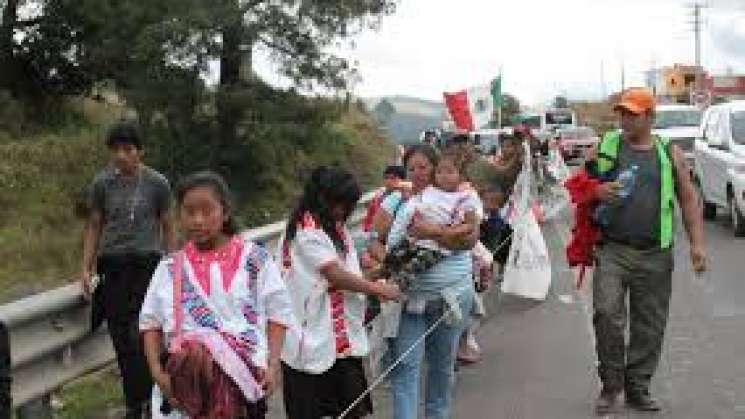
(533,121)
(738,127)
(579,133)
(559,118)
(678,118)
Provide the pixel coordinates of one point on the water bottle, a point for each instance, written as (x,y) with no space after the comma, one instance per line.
(627,180)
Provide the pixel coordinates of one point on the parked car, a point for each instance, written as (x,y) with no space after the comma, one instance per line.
(573,142)
(679,123)
(486,141)
(720,162)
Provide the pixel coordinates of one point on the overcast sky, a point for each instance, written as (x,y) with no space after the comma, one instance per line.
(545,47)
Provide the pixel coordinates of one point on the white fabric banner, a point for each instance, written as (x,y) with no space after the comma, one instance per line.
(528,269)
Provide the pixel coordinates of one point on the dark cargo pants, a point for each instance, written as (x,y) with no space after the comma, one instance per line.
(646,277)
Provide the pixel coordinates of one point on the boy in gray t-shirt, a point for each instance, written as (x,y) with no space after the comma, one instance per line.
(127,230)
(132,208)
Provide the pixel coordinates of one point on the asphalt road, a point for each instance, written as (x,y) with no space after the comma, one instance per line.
(539,361)
(539,357)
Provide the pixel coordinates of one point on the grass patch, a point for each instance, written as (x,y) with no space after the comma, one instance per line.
(40,182)
(95,396)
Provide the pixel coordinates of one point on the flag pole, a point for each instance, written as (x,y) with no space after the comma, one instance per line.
(501,100)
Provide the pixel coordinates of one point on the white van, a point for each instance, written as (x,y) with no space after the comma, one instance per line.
(679,123)
(720,162)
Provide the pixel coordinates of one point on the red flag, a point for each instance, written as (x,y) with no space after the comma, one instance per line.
(459,109)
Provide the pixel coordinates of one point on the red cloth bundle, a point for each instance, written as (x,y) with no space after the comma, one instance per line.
(581,246)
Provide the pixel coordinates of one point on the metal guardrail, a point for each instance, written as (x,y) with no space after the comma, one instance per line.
(45,339)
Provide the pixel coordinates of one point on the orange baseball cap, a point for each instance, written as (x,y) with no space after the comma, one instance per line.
(636,100)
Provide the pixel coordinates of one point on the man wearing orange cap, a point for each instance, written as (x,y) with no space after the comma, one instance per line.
(635,255)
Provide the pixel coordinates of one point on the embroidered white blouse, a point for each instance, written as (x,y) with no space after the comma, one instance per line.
(330,322)
(255,296)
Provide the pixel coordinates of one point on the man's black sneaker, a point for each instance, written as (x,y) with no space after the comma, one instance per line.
(607,402)
(642,402)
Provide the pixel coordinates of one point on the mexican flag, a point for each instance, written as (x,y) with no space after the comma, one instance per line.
(473,109)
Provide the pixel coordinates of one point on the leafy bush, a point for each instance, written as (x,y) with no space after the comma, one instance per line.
(42,176)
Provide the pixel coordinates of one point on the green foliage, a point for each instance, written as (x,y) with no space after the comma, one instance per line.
(152,56)
(42,177)
(71,45)
(40,183)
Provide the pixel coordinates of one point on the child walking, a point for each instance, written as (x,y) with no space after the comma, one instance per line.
(489,256)
(215,314)
(451,202)
(322,365)
(496,233)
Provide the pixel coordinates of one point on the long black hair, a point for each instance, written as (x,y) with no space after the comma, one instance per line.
(218,185)
(326,188)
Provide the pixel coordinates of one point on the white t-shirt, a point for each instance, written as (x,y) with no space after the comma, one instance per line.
(312,347)
(437,206)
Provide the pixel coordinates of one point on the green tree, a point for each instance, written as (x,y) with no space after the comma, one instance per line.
(156,54)
(38,58)
(72,44)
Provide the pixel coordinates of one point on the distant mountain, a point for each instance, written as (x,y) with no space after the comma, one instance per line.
(411,116)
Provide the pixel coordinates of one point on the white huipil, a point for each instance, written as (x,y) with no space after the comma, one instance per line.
(256,287)
(330,322)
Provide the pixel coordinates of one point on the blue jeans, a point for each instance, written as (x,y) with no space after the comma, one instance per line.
(440,349)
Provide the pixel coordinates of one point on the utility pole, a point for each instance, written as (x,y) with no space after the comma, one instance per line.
(501,100)
(697,31)
(697,26)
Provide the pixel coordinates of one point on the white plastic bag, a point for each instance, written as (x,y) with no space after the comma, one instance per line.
(552,195)
(528,269)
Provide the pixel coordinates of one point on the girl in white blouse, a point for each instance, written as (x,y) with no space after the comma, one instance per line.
(220,308)
(322,359)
